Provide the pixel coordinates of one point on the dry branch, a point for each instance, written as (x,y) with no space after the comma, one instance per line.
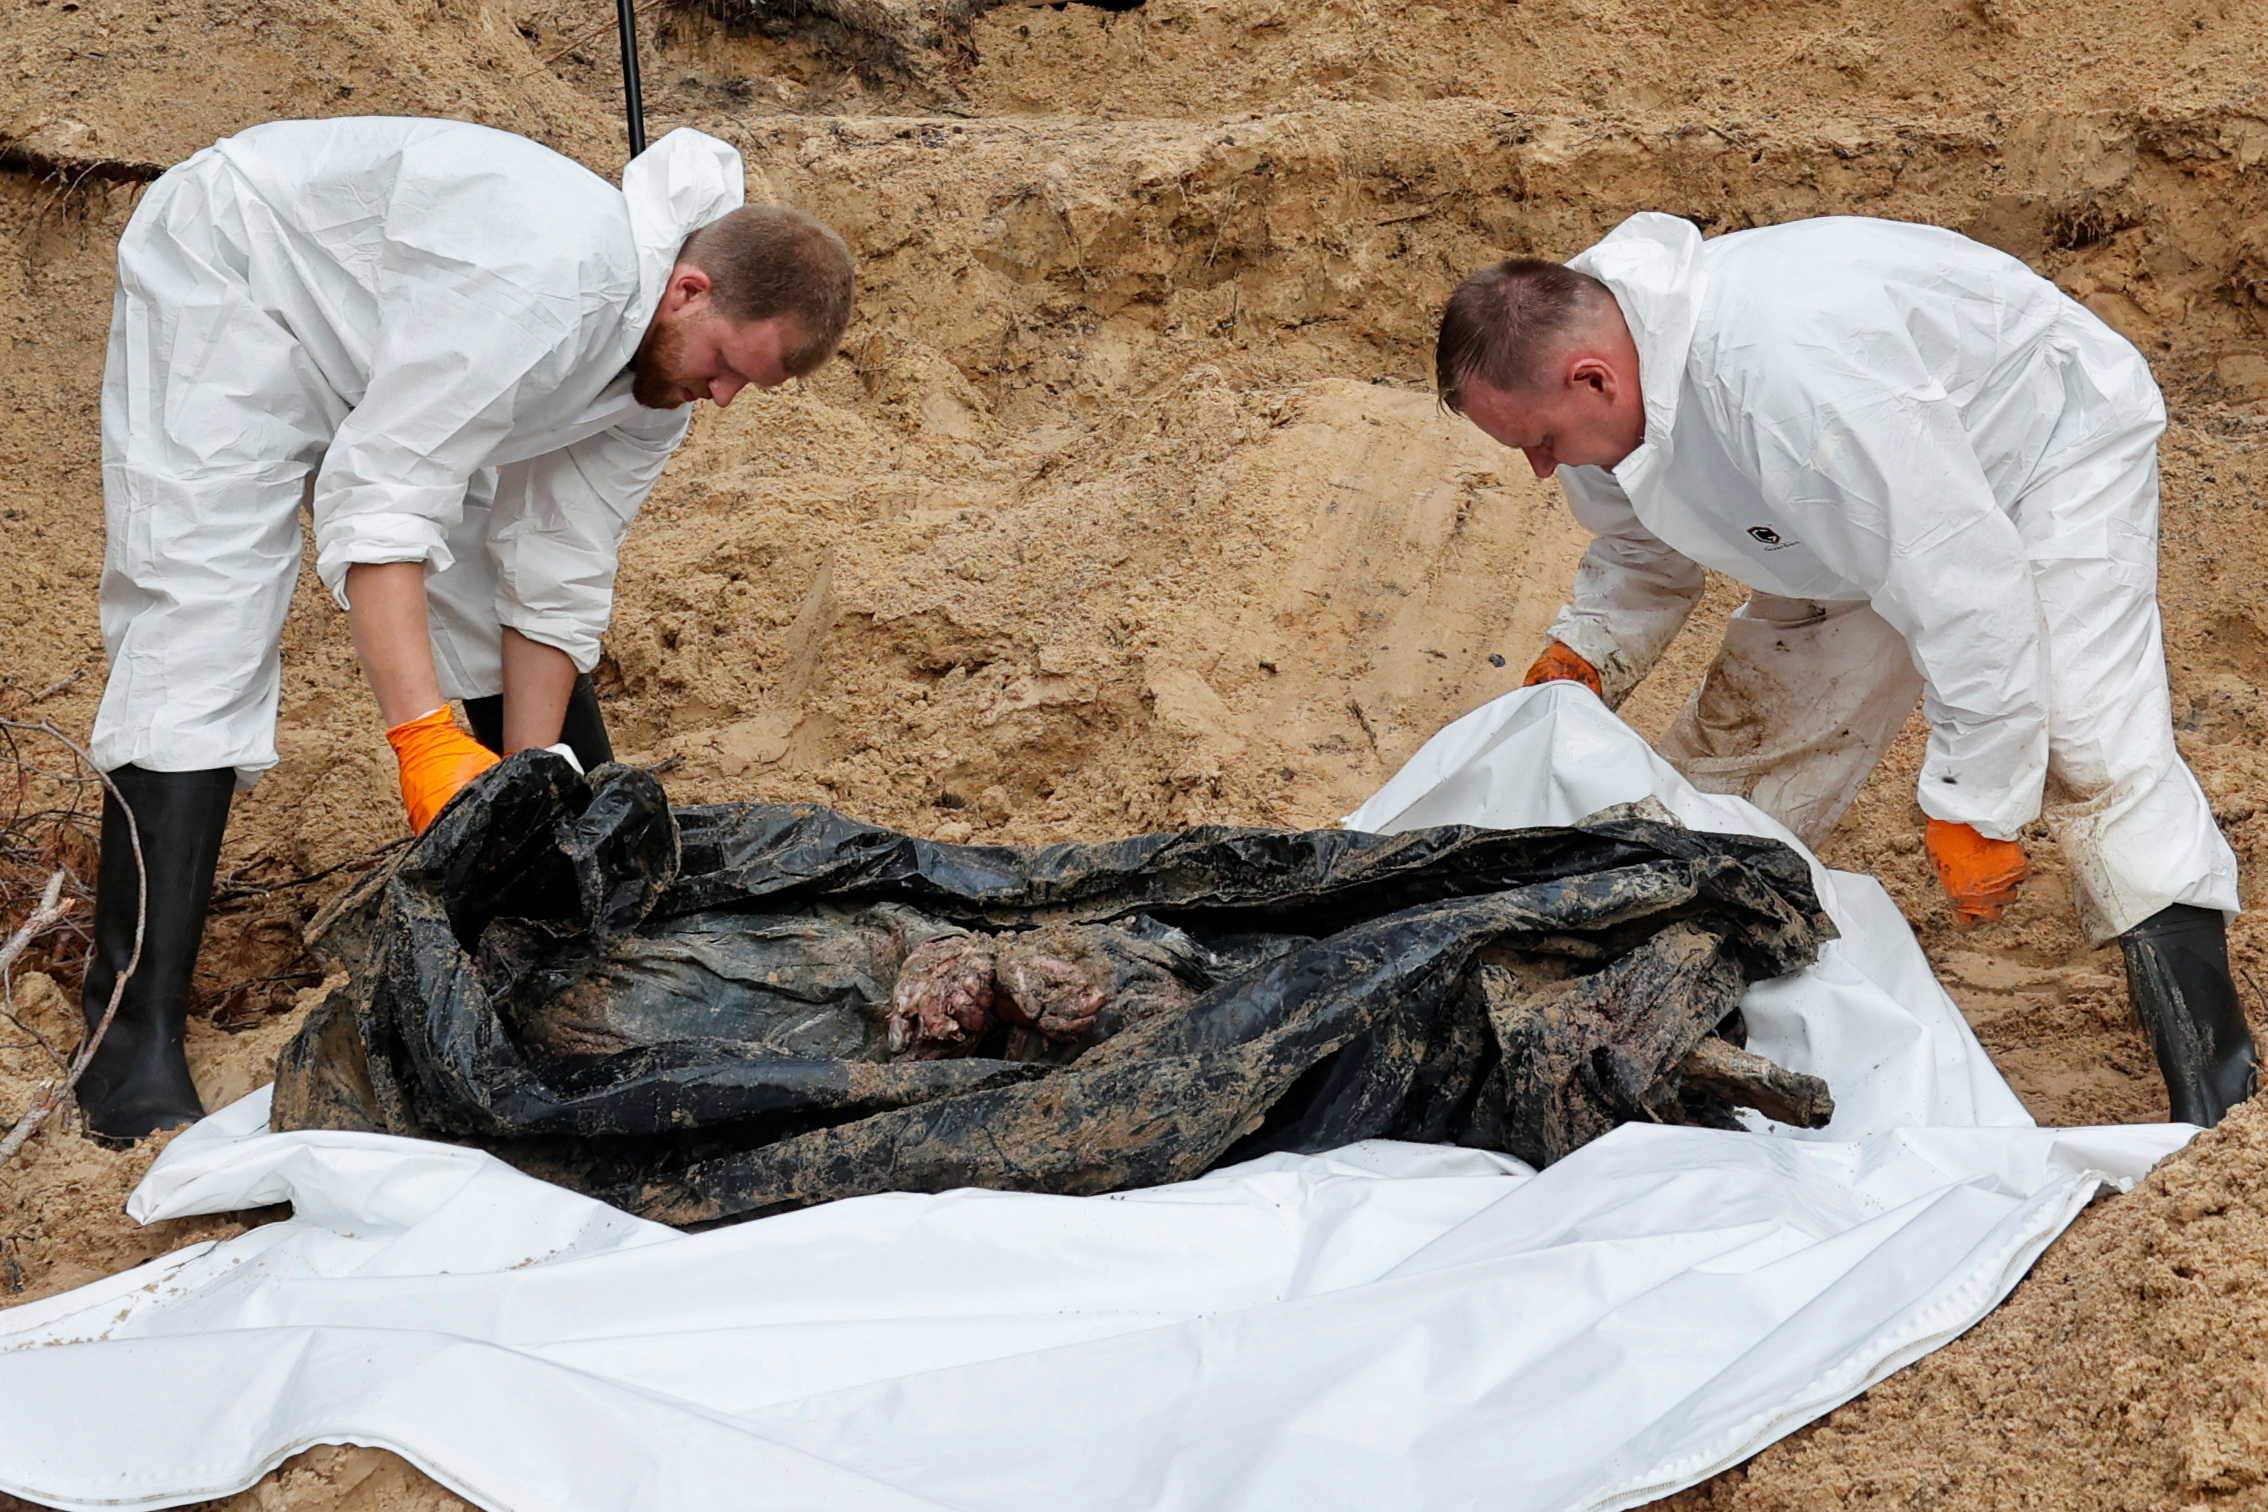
(50,911)
(54,1094)
(235,886)
(1748,1080)
(55,687)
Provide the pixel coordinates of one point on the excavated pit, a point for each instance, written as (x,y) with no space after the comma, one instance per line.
(1128,506)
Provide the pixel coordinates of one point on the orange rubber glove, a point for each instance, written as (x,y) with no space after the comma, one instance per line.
(1981,876)
(437,759)
(1559,664)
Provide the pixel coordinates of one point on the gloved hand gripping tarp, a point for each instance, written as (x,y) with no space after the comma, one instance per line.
(1522,990)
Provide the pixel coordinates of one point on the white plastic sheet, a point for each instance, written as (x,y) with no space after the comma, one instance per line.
(1390,1326)
(1869,1017)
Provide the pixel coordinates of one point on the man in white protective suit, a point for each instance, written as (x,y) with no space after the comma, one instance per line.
(1938,476)
(469,358)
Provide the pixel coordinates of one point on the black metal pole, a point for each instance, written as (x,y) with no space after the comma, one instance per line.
(633,100)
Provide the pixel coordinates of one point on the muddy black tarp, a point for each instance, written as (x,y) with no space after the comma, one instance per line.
(684,1012)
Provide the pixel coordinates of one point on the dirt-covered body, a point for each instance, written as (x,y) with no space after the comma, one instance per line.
(729,1010)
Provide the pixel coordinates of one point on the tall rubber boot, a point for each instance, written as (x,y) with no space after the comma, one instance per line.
(584,729)
(2177,969)
(139,1081)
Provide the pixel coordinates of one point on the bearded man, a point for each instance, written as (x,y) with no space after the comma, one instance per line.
(469,358)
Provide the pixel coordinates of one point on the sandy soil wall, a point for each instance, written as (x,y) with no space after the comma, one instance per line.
(1128,506)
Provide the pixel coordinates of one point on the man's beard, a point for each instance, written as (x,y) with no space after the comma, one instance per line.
(659,355)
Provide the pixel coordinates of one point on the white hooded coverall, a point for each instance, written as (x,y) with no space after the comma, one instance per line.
(419,328)
(1938,474)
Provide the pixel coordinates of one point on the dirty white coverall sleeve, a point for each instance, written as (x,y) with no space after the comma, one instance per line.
(468,349)
(1632,594)
(465,354)
(556,530)
(456,359)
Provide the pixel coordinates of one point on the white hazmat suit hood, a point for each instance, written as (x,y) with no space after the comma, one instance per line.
(421,328)
(1938,472)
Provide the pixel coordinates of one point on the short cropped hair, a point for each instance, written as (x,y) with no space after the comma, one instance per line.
(769,260)
(1504,322)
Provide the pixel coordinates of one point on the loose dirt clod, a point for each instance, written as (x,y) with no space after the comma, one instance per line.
(909,42)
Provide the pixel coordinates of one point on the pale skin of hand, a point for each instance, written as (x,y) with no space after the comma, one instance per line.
(396,650)
(386,611)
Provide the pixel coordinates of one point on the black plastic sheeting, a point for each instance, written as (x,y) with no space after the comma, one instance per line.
(684,1012)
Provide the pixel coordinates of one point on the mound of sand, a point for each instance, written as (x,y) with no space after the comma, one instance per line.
(1128,506)
(2128,1371)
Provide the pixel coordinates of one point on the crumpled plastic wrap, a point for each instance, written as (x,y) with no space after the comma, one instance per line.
(688,1013)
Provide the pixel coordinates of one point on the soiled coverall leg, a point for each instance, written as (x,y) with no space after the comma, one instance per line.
(2149,866)
(2131,817)
(213,418)
(211,424)
(1800,704)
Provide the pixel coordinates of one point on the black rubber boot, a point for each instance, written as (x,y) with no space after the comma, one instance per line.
(139,1081)
(2177,969)
(584,730)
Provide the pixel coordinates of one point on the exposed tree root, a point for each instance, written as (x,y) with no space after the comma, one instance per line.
(74,171)
(925,40)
